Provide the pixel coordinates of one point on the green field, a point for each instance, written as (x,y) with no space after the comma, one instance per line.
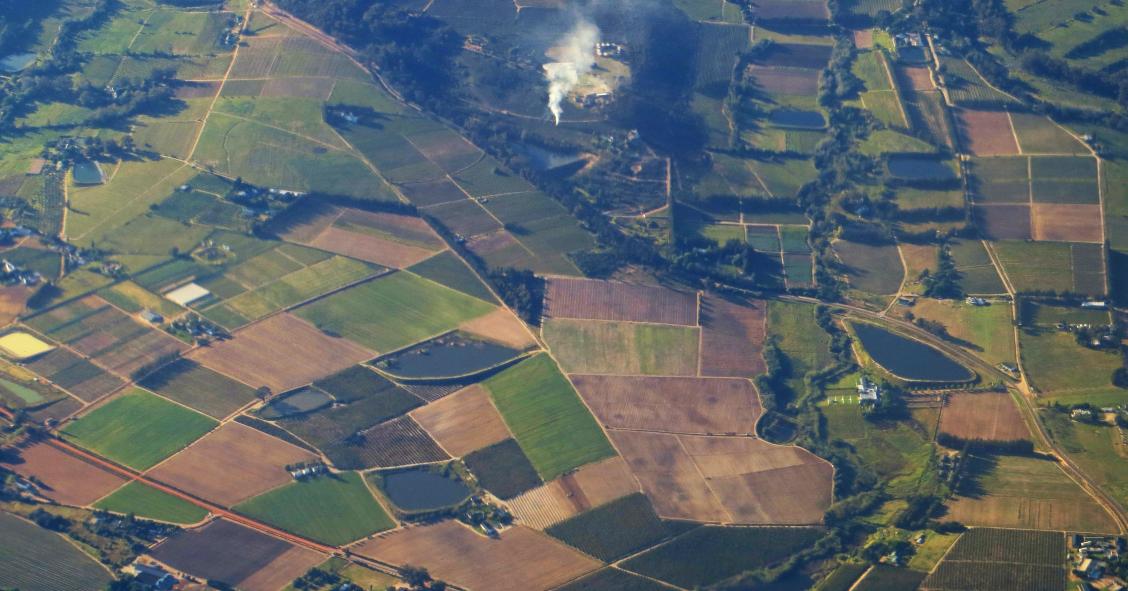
(899,451)
(546,416)
(503,469)
(35,559)
(869,67)
(200,388)
(1038,135)
(394,311)
(138,429)
(872,269)
(1098,449)
(621,527)
(884,141)
(446,268)
(1055,363)
(334,509)
(988,329)
(709,554)
(627,348)
(885,106)
(799,337)
(1036,266)
(145,501)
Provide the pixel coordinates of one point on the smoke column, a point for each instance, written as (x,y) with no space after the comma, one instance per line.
(575,56)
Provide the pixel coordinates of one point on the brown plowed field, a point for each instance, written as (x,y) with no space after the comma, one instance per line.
(990,416)
(68,480)
(13,298)
(410,229)
(986,133)
(1004,222)
(502,327)
(463,422)
(370,248)
(787,80)
(732,337)
(221,551)
(520,560)
(281,352)
(863,39)
(1067,223)
(611,300)
(917,77)
(591,486)
(281,571)
(672,404)
(231,464)
(728,479)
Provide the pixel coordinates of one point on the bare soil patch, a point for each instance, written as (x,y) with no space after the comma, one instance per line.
(986,133)
(612,300)
(68,480)
(1004,222)
(13,299)
(463,422)
(917,77)
(282,353)
(370,248)
(803,82)
(221,551)
(502,327)
(231,464)
(672,404)
(989,416)
(732,337)
(863,39)
(1067,223)
(281,571)
(728,479)
(521,559)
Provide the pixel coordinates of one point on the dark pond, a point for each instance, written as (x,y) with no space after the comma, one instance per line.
(445,357)
(421,489)
(797,118)
(545,159)
(88,173)
(293,403)
(908,358)
(918,168)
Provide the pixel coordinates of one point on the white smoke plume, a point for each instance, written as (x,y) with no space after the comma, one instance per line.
(575,56)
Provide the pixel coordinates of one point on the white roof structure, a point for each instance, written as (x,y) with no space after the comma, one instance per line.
(186,294)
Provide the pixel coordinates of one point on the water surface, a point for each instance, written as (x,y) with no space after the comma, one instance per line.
(908,358)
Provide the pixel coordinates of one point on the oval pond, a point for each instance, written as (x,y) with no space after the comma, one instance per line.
(908,358)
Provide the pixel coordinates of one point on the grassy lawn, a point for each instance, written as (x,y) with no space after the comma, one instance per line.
(138,429)
(622,348)
(990,329)
(545,414)
(1056,363)
(145,501)
(394,311)
(335,509)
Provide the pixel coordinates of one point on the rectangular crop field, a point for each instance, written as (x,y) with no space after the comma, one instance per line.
(281,352)
(874,269)
(1055,363)
(986,133)
(398,442)
(989,416)
(591,486)
(138,429)
(547,417)
(676,405)
(1037,134)
(192,384)
(463,422)
(75,374)
(1006,559)
(630,348)
(36,559)
(625,526)
(732,337)
(520,560)
(68,479)
(611,300)
(333,508)
(145,501)
(1022,492)
(394,311)
(225,551)
(233,463)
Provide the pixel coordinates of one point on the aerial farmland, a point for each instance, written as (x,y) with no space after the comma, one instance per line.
(570,295)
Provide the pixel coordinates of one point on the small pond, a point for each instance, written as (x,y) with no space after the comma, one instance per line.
(919,168)
(88,172)
(294,403)
(446,357)
(545,159)
(422,489)
(797,118)
(908,358)
(16,62)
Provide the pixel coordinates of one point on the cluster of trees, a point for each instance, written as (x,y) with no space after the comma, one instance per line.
(944,282)
(521,290)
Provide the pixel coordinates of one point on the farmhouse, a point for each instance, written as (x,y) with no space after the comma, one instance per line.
(976,301)
(151,317)
(868,391)
(186,294)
